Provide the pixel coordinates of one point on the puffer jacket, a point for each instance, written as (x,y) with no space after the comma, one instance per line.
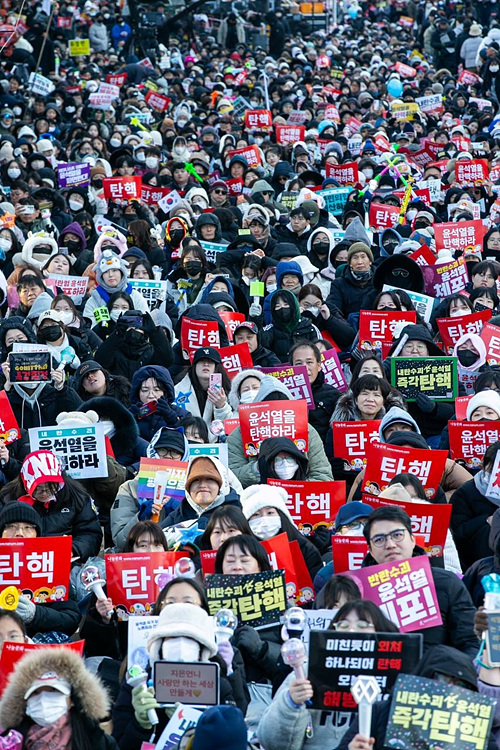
(347,411)
(167,413)
(279,337)
(185,396)
(486,565)
(346,293)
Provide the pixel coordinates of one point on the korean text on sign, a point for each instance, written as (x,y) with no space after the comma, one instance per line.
(434,376)
(351,440)
(41,566)
(257,599)
(312,503)
(273,419)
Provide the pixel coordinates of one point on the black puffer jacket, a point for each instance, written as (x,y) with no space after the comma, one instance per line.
(346,293)
(167,414)
(9,324)
(469,524)
(486,565)
(44,410)
(196,312)
(279,337)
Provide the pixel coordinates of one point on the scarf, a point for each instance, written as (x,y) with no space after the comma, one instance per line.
(105,292)
(55,737)
(481,482)
(56,353)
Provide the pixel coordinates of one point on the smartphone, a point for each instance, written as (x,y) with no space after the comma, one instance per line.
(216,380)
(147,409)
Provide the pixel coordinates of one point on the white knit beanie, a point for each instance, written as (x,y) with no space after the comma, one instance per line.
(259,496)
(186,620)
(77,418)
(484,398)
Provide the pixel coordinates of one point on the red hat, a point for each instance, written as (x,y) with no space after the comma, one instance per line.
(40,467)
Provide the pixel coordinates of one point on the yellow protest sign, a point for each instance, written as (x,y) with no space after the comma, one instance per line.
(79,47)
(404,111)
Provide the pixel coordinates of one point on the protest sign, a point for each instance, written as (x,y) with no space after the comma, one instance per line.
(236,358)
(122,188)
(316,619)
(280,557)
(134,580)
(471,172)
(207,557)
(312,504)
(427,713)
(289,133)
(335,199)
(30,367)
(385,461)
(431,105)
(231,321)
(215,450)
(196,334)
(212,249)
(332,370)
(250,153)
(152,195)
(466,236)
(184,718)
(404,590)
(176,472)
(139,630)
(40,566)
(469,441)
(230,425)
(73,175)
(443,279)
(491,337)
(71,286)
(423,256)
(234,188)
(493,489)
(258,119)
(79,47)
(423,303)
(296,379)
(257,599)
(351,439)
(150,289)
(116,79)
(344,174)
(194,683)
(158,102)
(268,419)
(404,111)
(461,407)
(436,377)
(348,552)
(9,429)
(81,450)
(451,329)
(38,84)
(305,592)
(383,216)
(336,659)
(493,638)
(377,328)
(406,71)
(429,521)
(12,652)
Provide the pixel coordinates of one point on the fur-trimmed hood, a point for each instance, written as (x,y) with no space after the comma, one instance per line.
(125,438)
(347,411)
(66,663)
(29,254)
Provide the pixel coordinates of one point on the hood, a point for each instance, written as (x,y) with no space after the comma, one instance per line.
(396,414)
(22,324)
(417,332)
(478,345)
(387,236)
(234,398)
(262,186)
(42,303)
(284,250)
(161,374)
(294,304)
(217,298)
(210,286)
(65,663)
(151,450)
(288,266)
(169,224)
(356,232)
(270,448)
(74,228)
(29,252)
(386,273)
(224,490)
(125,438)
(320,230)
(282,169)
(203,312)
(212,220)
(110,236)
(269,385)
(449,661)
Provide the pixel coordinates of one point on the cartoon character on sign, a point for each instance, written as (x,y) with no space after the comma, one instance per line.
(27,593)
(291,592)
(251,450)
(357,464)
(122,613)
(301,445)
(474,462)
(306,529)
(436,550)
(306,595)
(372,488)
(41,595)
(430,492)
(138,609)
(58,593)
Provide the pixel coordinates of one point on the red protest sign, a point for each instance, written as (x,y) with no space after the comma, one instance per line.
(158,102)
(236,358)
(423,256)
(296,379)
(9,429)
(462,144)
(491,337)
(404,591)
(345,174)
(196,334)
(207,558)
(461,406)
(466,236)
(273,419)
(405,70)
(122,188)
(443,279)
(312,504)
(468,78)
(385,461)
(13,652)
(116,79)
(332,370)
(428,520)
(134,579)
(451,329)
(234,186)
(469,440)
(250,153)
(230,425)
(471,171)
(40,565)
(332,113)
(382,143)
(351,440)
(280,558)
(382,216)
(305,586)
(348,552)
(422,193)
(231,321)
(289,133)
(258,119)
(376,328)
(151,195)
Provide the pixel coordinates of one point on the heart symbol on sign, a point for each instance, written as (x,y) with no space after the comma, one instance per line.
(197,693)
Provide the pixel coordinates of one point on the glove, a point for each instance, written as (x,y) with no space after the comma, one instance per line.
(142,702)
(148,324)
(480,621)
(255,310)
(248,640)
(425,403)
(227,652)
(166,412)
(26,609)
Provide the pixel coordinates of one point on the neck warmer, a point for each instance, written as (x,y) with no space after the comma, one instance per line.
(105,291)
(56,353)
(200,511)
(362,275)
(481,482)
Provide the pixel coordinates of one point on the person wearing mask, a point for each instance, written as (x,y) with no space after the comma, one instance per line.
(111,274)
(152,399)
(244,388)
(348,291)
(287,326)
(312,305)
(98,35)
(186,281)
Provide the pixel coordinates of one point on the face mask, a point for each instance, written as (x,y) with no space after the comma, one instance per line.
(75,205)
(46,708)
(176,235)
(151,162)
(285,468)
(67,317)
(73,246)
(457,313)
(5,244)
(410,215)
(180,124)
(478,307)
(321,248)
(295,289)
(115,142)
(368,173)
(207,144)
(193,267)
(271,288)
(255,104)
(50,333)
(180,649)
(14,173)
(247,397)
(140,156)
(494,68)
(109,428)
(466,357)
(284,314)
(135,338)
(265,527)
(258,141)
(314,311)
(421,224)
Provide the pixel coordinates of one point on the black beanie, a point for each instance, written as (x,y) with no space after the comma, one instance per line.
(171,438)
(17,512)
(404,437)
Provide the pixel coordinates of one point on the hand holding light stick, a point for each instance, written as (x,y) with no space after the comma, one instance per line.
(365,691)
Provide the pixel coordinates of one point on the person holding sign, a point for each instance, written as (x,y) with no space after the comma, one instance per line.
(112,276)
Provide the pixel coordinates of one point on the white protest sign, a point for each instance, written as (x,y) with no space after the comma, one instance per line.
(139,630)
(40,85)
(80,450)
(423,304)
(72,286)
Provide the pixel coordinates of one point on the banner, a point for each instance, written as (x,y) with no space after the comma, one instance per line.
(176,472)
(296,379)
(469,441)
(376,328)
(79,47)
(289,133)
(196,334)
(335,199)
(471,172)
(9,429)
(332,370)
(134,580)
(465,236)
(430,714)
(38,567)
(351,440)
(30,367)
(312,504)
(258,119)
(280,557)
(71,286)
(152,195)
(434,376)
(491,337)
(236,358)
(348,552)
(452,329)
(73,175)
(431,105)
(12,652)
(158,102)
(273,419)
(423,304)
(429,521)
(81,451)
(404,590)
(122,188)
(336,660)
(231,321)
(385,461)
(344,174)
(257,600)
(444,279)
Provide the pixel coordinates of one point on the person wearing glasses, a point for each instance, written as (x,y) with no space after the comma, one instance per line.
(152,398)
(484,275)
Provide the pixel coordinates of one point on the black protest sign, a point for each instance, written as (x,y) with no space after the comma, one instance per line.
(493,638)
(435,377)
(428,714)
(337,659)
(257,600)
(29,367)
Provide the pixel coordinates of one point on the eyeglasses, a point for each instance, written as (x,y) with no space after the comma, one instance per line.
(167,453)
(220,192)
(15,527)
(380,540)
(155,390)
(353,526)
(401,272)
(348,625)
(42,492)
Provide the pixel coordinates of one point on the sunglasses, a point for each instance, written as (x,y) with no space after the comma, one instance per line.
(220,192)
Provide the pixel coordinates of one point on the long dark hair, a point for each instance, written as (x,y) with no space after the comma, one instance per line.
(245,543)
(226,515)
(193,582)
(145,527)
(201,395)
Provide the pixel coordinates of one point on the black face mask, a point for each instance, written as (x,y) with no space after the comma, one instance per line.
(421,225)
(193,267)
(321,248)
(284,314)
(207,145)
(50,333)
(385,309)
(176,236)
(466,357)
(87,232)
(479,307)
(134,338)
(73,246)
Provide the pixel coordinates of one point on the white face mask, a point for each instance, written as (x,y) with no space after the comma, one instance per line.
(151,162)
(258,141)
(265,527)
(14,173)
(313,310)
(140,156)
(75,205)
(180,124)
(271,288)
(285,468)
(115,314)
(246,280)
(368,173)
(67,317)
(458,312)
(5,244)
(47,707)
(109,428)
(115,142)
(247,397)
(180,649)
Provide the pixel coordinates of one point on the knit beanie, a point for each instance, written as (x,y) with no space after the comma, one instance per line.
(17,512)
(359,247)
(221,728)
(202,468)
(107,262)
(397,491)
(40,467)
(490,399)
(259,496)
(77,418)
(186,620)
